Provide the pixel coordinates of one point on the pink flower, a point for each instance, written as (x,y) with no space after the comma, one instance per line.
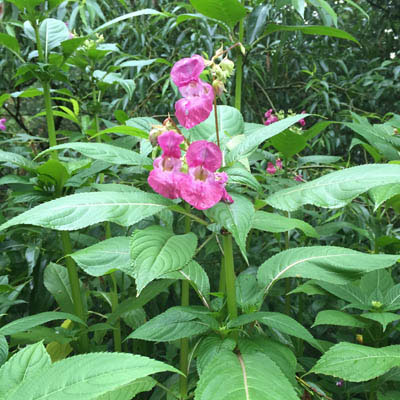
(169,142)
(198,96)
(298,178)
(279,163)
(268,113)
(271,120)
(203,187)
(2,124)
(271,168)
(194,108)
(187,70)
(302,122)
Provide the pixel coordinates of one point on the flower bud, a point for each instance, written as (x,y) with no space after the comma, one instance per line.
(155,132)
(227,65)
(218,87)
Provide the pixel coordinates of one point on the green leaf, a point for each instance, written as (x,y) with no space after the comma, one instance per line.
(249,297)
(156,251)
(10,42)
(236,218)
(104,152)
(87,376)
(84,209)
(130,391)
(243,376)
(126,130)
(146,11)
(357,363)
(324,5)
(238,174)
(275,320)
(70,45)
(271,222)
(21,366)
(228,11)
(255,22)
(230,123)
(175,323)
(105,256)
(381,194)
(53,172)
(336,189)
(311,30)
(339,318)
(289,143)
(52,32)
(17,159)
(326,263)
(299,6)
(3,350)
(383,318)
(258,136)
(25,323)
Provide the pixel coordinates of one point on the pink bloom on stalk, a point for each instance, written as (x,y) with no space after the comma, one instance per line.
(271,168)
(298,178)
(203,187)
(302,122)
(271,120)
(187,70)
(2,124)
(169,142)
(279,163)
(268,113)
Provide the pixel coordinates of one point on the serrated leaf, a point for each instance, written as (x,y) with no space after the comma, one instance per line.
(25,323)
(339,318)
(357,363)
(175,323)
(87,376)
(3,350)
(381,194)
(249,297)
(236,218)
(336,189)
(275,320)
(228,11)
(326,263)
(156,251)
(258,136)
(244,376)
(383,318)
(22,365)
(17,159)
(104,152)
(10,42)
(130,391)
(103,257)
(272,222)
(84,209)
(126,130)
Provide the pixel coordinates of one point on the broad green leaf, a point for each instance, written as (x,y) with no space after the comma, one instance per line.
(275,320)
(17,159)
(311,30)
(88,376)
(105,256)
(238,174)
(198,278)
(14,179)
(29,4)
(336,189)
(3,350)
(126,130)
(146,11)
(256,21)
(236,218)
(339,318)
(249,296)
(156,251)
(243,376)
(271,222)
(381,194)
(299,6)
(25,323)
(133,303)
(104,152)
(129,392)
(175,323)
(392,298)
(324,5)
(258,136)
(310,288)
(383,318)
(357,363)
(53,172)
(230,123)
(228,11)
(289,143)
(10,42)
(52,32)
(70,45)
(84,209)
(22,365)
(326,263)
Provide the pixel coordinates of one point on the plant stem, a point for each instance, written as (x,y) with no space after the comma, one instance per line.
(216,121)
(114,305)
(75,288)
(51,129)
(239,68)
(230,277)
(184,350)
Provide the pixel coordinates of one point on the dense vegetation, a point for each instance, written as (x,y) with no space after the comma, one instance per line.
(226,223)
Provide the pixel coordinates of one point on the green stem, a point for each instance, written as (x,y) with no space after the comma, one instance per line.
(184,350)
(51,129)
(239,68)
(114,306)
(75,288)
(216,120)
(230,277)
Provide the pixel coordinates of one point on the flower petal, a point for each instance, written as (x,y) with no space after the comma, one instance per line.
(166,183)
(205,154)
(169,141)
(190,111)
(187,69)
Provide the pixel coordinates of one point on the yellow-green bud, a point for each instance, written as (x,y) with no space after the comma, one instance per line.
(227,65)
(218,87)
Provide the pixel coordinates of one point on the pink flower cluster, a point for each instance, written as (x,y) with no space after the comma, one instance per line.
(202,187)
(270,117)
(198,96)
(271,168)
(2,124)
